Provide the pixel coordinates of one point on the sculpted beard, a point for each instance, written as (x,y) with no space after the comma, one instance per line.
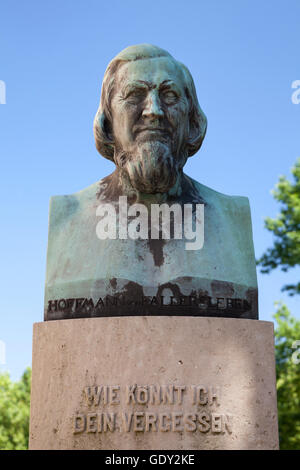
(152,168)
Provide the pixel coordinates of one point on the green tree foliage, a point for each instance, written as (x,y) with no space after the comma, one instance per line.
(287,332)
(286,229)
(14,411)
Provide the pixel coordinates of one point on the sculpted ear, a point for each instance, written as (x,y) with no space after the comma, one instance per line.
(103,135)
(198,126)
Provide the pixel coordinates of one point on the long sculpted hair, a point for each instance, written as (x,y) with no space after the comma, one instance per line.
(102,122)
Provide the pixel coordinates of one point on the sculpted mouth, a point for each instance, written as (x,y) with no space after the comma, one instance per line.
(155,130)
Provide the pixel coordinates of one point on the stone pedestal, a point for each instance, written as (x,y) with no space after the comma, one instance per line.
(153,383)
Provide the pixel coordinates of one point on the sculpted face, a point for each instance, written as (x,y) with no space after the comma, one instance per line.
(150,122)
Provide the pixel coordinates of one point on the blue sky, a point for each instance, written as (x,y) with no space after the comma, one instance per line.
(243,55)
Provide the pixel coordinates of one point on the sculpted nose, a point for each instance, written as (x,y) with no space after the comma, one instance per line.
(153,107)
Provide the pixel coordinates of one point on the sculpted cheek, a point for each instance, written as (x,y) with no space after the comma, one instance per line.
(178,112)
(131,111)
(179,120)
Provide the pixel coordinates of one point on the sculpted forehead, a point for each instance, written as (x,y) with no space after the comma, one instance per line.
(155,70)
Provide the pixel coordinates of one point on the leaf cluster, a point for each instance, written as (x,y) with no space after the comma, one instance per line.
(287,333)
(285,228)
(14,411)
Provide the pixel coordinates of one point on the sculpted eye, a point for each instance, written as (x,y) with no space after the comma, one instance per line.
(169,97)
(136,95)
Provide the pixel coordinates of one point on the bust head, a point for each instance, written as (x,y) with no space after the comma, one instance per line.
(149,120)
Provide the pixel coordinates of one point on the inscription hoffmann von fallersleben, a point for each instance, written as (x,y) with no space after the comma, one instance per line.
(204,418)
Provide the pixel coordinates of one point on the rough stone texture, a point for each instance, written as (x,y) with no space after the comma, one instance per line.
(236,355)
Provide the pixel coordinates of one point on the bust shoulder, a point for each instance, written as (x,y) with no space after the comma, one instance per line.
(211,196)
